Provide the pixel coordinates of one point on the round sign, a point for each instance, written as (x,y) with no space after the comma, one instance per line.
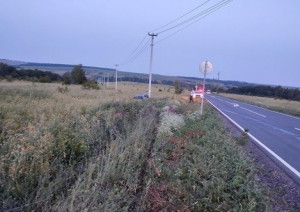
(206,67)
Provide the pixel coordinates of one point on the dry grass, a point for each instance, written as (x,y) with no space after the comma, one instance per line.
(87,150)
(47,136)
(76,96)
(281,105)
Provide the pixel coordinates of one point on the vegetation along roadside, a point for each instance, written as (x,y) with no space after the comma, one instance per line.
(77,150)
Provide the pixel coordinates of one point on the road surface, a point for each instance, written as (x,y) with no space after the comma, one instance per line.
(276,133)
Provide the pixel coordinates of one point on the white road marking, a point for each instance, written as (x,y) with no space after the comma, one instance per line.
(297,129)
(234,104)
(253,112)
(292,169)
(269,110)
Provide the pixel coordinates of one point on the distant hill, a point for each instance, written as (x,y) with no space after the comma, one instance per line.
(98,73)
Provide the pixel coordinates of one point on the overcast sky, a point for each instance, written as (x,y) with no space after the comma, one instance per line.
(247,40)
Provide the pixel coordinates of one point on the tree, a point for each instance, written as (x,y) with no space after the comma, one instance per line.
(67,78)
(78,75)
(178,88)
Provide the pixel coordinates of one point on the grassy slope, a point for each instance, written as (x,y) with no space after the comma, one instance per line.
(100,150)
(201,168)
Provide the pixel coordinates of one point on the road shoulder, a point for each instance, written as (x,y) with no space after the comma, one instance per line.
(283,191)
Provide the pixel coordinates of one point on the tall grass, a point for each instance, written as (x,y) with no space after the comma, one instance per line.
(202,168)
(50,141)
(103,151)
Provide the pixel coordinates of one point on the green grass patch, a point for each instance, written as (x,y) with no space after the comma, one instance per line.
(201,168)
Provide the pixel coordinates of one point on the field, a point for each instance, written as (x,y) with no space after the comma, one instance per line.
(281,105)
(71,149)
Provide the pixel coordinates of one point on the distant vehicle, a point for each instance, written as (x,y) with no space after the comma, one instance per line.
(197,94)
(208,92)
(141,96)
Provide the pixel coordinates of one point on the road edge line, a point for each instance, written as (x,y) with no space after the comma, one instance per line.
(286,164)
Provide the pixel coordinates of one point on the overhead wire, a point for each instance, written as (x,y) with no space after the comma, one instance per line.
(133,55)
(158,28)
(137,54)
(134,51)
(221,3)
(144,44)
(203,15)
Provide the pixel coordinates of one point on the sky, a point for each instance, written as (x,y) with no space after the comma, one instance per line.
(247,40)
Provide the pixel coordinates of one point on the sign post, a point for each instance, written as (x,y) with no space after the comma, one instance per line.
(205,68)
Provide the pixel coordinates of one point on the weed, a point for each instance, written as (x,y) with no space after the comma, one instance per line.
(63,89)
(91,85)
(242,140)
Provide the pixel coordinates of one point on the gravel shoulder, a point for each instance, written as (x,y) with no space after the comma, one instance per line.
(283,191)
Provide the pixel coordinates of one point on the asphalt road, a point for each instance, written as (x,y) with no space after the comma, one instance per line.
(278,133)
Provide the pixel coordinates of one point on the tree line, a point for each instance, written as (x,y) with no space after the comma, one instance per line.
(10,73)
(76,76)
(268,91)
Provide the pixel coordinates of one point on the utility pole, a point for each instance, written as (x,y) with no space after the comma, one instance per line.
(107,80)
(151,59)
(116,87)
(218,83)
(201,106)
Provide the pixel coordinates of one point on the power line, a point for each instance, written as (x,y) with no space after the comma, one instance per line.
(204,14)
(144,45)
(135,56)
(180,17)
(132,54)
(212,8)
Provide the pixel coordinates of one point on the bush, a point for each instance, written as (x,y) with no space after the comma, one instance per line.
(63,89)
(78,75)
(91,85)
(178,88)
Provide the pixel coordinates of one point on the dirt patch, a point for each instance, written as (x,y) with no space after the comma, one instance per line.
(282,189)
(194,134)
(174,156)
(177,140)
(158,200)
(188,135)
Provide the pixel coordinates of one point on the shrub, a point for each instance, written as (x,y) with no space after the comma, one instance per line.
(91,85)
(64,89)
(178,88)
(9,78)
(78,75)
(67,146)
